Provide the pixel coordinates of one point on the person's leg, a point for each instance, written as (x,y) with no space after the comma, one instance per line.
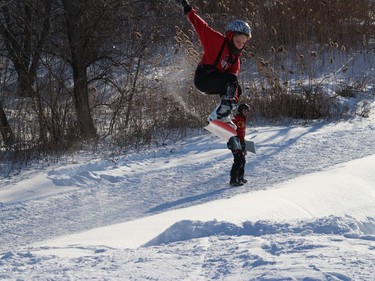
(211,81)
(234,173)
(242,169)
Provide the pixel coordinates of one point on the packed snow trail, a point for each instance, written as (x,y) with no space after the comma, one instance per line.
(192,172)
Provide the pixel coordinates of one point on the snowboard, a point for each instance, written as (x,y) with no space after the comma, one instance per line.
(225,131)
(221,129)
(250,146)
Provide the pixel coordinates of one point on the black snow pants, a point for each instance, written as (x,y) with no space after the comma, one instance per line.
(238,167)
(213,82)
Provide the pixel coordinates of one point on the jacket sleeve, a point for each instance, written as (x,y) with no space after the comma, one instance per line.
(203,30)
(240,122)
(211,40)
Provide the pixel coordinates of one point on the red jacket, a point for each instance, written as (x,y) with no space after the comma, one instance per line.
(212,42)
(240,122)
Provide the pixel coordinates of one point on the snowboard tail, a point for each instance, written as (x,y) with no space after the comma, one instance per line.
(221,129)
(225,131)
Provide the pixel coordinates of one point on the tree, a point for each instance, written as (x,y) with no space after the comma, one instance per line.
(24,27)
(93,28)
(79,31)
(90,25)
(5,129)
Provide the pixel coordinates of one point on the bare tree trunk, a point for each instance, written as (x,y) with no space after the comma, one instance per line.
(24,82)
(132,92)
(6,130)
(81,99)
(76,20)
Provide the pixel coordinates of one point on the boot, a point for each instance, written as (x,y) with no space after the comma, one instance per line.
(235,182)
(225,108)
(228,104)
(223,112)
(242,180)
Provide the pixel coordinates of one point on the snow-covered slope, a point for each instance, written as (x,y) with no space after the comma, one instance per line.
(307,212)
(348,189)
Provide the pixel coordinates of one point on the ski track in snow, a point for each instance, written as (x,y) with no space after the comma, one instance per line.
(118,199)
(262,258)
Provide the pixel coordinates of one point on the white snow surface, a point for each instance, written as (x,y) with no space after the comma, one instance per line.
(306,213)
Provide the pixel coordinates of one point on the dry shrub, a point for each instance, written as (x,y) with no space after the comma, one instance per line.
(164,117)
(302,105)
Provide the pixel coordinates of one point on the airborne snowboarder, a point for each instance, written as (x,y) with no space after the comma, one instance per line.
(217,71)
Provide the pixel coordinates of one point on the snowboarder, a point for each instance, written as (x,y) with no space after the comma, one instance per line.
(218,69)
(238,147)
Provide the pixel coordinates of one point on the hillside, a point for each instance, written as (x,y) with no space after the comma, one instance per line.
(307,213)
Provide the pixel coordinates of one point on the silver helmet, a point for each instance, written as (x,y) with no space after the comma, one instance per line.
(239,26)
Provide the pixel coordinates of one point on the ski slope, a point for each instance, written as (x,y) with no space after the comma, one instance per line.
(307,212)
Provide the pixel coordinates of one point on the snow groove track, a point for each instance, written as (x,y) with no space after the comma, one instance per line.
(158,181)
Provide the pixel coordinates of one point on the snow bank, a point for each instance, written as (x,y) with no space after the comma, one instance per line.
(346,226)
(342,197)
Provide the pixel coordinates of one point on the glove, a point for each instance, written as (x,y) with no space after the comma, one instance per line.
(185,5)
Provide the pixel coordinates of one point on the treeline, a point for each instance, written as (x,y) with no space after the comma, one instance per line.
(64,63)
(113,71)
